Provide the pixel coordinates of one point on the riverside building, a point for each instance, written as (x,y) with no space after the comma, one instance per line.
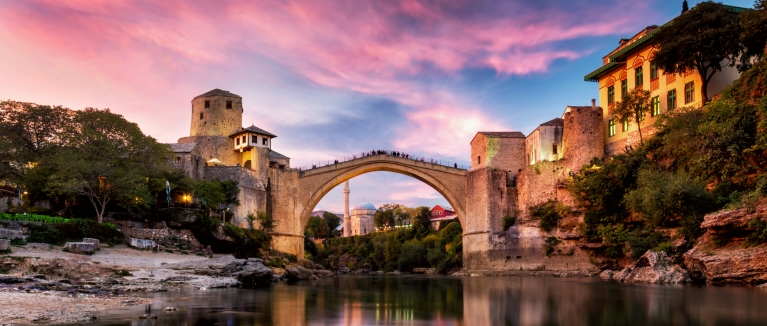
(631,65)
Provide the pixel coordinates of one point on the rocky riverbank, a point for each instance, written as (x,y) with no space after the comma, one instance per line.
(723,255)
(72,286)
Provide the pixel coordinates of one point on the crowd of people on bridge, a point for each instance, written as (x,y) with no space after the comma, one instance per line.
(390,153)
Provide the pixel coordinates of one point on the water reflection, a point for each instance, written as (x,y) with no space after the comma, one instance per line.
(420,300)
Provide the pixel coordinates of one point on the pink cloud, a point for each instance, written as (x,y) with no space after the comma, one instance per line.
(137,49)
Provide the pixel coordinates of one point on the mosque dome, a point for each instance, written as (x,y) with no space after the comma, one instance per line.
(365,206)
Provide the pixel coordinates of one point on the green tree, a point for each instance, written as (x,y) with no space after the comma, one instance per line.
(29,134)
(700,39)
(332,220)
(665,199)
(317,227)
(421,223)
(384,218)
(104,157)
(753,37)
(412,255)
(266,222)
(633,108)
(209,194)
(393,247)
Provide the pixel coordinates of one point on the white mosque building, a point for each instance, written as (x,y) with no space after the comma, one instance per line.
(362,218)
(360,221)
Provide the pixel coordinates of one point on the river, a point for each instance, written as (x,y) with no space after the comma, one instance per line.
(440,300)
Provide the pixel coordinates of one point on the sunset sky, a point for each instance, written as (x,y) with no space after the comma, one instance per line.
(329,77)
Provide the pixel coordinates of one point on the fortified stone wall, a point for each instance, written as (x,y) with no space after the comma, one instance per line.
(252,191)
(498,152)
(192,163)
(286,209)
(486,203)
(523,248)
(633,140)
(259,161)
(215,147)
(216,120)
(539,183)
(583,136)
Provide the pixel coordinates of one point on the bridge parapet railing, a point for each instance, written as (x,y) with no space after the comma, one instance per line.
(363,155)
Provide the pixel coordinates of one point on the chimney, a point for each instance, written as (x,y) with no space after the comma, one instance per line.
(593,103)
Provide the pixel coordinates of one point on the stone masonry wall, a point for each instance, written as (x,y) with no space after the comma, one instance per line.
(217,147)
(166,237)
(286,210)
(538,183)
(216,120)
(252,190)
(583,136)
(633,140)
(505,153)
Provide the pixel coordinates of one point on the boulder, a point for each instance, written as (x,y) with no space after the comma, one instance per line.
(11,234)
(254,273)
(141,243)
(653,267)
(299,273)
(344,270)
(79,248)
(5,244)
(732,262)
(95,242)
(736,219)
(606,274)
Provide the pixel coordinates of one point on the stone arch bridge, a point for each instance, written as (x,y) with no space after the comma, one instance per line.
(298,199)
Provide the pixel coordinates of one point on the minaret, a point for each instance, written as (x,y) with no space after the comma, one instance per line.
(347,216)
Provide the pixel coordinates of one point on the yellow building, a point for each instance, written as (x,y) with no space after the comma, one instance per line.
(631,65)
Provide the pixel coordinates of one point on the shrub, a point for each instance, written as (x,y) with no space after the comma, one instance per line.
(550,244)
(509,221)
(310,248)
(759,233)
(642,240)
(75,230)
(435,256)
(412,255)
(549,214)
(664,199)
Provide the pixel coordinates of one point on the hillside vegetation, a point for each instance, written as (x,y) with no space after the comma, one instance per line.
(699,161)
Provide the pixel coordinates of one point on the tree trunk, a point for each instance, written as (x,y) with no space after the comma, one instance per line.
(704,90)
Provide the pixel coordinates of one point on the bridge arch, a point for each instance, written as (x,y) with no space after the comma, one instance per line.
(447,181)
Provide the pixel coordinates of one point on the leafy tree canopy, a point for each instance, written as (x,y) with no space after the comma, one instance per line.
(701,39)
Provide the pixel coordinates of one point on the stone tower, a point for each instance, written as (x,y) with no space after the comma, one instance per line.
(216,113)
(583,135)
(347,216)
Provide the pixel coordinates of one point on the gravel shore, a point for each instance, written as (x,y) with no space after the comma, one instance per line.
(56,307)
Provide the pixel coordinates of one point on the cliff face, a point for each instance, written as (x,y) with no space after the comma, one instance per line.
(722,255)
